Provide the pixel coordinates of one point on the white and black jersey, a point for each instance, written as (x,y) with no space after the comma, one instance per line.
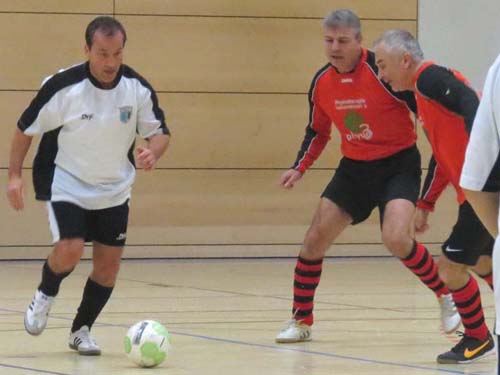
(85,155)
(481,169)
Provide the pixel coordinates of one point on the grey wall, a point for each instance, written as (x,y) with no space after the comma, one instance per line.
(463,34)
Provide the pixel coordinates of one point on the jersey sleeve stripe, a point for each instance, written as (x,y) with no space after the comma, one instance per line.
(311,135)
(158,112)
(429,181)
(48,90)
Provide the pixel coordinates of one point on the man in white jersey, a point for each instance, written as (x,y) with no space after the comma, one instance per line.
(480,177)
(89,116)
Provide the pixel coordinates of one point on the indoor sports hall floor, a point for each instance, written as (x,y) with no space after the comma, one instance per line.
(372,317)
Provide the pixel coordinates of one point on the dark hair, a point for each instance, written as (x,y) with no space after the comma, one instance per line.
(106,25)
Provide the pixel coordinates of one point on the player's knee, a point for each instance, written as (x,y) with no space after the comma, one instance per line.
(483,266)
(397,243)
(66,255)
(450,271)
(315,242)
(106,274)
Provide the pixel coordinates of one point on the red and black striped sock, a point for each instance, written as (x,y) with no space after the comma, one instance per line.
(468,302)
(421,263)
(306,279)
(488,278)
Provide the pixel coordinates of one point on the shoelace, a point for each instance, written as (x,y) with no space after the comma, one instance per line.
(288,324)
(87,338)
(460,347)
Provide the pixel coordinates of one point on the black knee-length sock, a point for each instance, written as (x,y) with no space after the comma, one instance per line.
(94,299)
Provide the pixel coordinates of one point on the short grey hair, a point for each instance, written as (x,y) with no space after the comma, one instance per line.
(343,18)
(398,40)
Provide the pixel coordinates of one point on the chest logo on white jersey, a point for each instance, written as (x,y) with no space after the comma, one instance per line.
(87,116)
(125,113)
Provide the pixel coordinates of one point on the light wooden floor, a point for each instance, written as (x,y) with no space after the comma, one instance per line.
(372,317)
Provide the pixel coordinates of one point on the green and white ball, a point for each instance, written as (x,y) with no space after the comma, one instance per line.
(147,343)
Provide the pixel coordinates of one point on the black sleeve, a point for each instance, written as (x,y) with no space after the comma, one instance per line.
(440,84)
(50,87)
(317,133)
(431,171)
(492,184)
(310,134)
(158,112)
(407,96)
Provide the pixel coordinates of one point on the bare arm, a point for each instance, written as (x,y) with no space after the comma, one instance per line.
(15,186)
(486,206)
(156,147)
(289,178)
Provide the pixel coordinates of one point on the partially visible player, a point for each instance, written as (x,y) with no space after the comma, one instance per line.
(447,106)
(380,169)
(481,172)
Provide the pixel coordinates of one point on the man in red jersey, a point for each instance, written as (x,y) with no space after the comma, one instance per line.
(380,168)
(447,106)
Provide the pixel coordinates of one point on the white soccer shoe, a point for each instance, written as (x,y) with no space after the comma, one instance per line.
(450,318)
(294,331)
(83,342)
(37,313)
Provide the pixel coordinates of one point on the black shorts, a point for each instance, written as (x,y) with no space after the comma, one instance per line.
(469,239)
(360,186)
(107,226)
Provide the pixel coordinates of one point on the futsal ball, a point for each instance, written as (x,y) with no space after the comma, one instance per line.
(147,343)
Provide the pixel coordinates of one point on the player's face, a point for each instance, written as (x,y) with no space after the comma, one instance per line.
(342,47)
(105,57)
(393,68)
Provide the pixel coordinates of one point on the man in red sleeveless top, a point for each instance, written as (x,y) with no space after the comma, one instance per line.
(446,106)
(380,168)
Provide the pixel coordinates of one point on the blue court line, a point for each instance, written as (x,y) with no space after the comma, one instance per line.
(313,352)
(281,348)
(326,354)
(33,369)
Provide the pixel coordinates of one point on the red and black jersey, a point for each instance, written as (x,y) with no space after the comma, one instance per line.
(434,184)
(373,121)
(447,106)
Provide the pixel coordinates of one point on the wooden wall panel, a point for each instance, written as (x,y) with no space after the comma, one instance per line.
(238,131)
(43,45)
(214,207)
(212,131)
(244,131)
(233,55)
(383,9)
(233,78)
(12,104)
(217,130)
(188,54)
(58,6)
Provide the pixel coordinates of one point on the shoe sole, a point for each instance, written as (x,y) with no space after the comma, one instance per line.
(32,333)
(451,362)
(291,341)
(454,328)
(88,352)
